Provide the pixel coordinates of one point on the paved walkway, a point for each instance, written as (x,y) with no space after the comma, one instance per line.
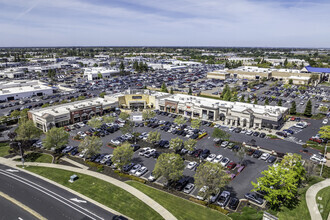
(311,198)
(144,198)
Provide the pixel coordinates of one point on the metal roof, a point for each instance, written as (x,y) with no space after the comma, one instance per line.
(317,69)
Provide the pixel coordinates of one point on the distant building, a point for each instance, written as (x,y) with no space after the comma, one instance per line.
(218,74)
(23,89)
(94,73)
(323,72)
(12,73)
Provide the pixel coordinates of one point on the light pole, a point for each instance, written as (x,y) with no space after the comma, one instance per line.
(20,148)
(325,151)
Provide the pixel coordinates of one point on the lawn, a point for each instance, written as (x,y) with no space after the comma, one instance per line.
(4,148)
(180,208)
(248,213)
(100,191)
(323,202)
(37,157)
(301,210)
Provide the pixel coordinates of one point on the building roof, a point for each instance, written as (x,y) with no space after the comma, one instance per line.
(317,69)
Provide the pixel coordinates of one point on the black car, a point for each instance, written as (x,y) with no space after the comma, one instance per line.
(256,134)
(233,203)
(119,217)
(74,151)
(135,147)
(257,154)
(156,154)
(262,135)
(237,130)
(94,157)
(128,167)
(271,159)
(182,183)
(254,198)
(205,153)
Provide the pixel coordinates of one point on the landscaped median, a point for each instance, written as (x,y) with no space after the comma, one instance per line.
(180,208)
(100,191)
(4,148)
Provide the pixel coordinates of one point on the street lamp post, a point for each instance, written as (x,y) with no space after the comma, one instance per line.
(325,151)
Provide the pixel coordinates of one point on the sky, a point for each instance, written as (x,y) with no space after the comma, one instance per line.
(248,23)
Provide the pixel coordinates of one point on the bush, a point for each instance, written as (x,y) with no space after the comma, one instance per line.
(99,167)
(271,136)
(135,178)
(211,206)
(77,137)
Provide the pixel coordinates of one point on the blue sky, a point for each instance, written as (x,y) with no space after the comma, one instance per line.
(263,23)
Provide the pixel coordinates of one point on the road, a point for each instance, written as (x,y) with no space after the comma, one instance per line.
(9,210)
(48,200)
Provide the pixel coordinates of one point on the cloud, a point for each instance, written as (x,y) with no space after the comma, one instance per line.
(164,23)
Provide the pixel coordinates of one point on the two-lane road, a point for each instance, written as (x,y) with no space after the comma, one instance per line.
(48,200)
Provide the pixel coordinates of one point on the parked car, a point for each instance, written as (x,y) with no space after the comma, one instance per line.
(141,171)
(271,159)
(223,199)
(151,177)
(217,159)
(231,165)
(135,168)
(211,157)
(191,165)
(188,188)
(224,161)
(254,198)
(265,156)
(257,154)
(233,203)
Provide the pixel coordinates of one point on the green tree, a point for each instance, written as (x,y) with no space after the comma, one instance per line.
(124,116)
(170,166)
(323,109)
(255,101)
(95,65)
(241,154)
(95,122)
(279,103)
(242,98)
(234,98)
(121,67)
(224,91)
(211,175)
(153,136)
(286,62)
(176,144)
(100,76)
(81,98)
(249,100)
(218,133)
(314,78)
(266,101)
(293,110)
(195,123)
(290,81)
(56,138)
(91,145)
(15,114)
(108,119)
(308,109)
(102,94)
(147,114)
(325,132)
(190,91)
(164,88)
(227,95)
(122,155)
(190,144)
(27,131)
(180,120)
(136,66)
(171,91)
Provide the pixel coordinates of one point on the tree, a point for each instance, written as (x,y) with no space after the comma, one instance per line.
(102,94)
(227,95)
(122,155)
(266,101)
(171,91)
(121,67)
(242,98)
(27,131)
(325,132)
(108,119)
(281,181)
(15,114)
(249,100)
(211,175)
(95,65)
(100,76)
(190,144)
(255,101)
(124,116)
(241,154)
(95,122)
(314,78)
(170,166)
(323,109)
(164,88)
(279,103)
(218,133)
(286,62)
(190,91)
(234,98)
(224,91)
(176,144)
(308,109)
(195,123)
(56,138)
(153,136)
(136,66)
(293,110)
(290,81)
(91,145)
(147,114)
(180,120)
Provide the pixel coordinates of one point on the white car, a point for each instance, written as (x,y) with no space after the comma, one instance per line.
(191,165)
(105,158)
(224,144)
(81,124)
(265,156)
(325,121)
(248,132)
(135,169)
(318,158)
(224,161)
(217,159)
(151,177)
(82,154)
(141,171)
(201,193)
(143,151)
(232,129)
(211,157)
(188,188)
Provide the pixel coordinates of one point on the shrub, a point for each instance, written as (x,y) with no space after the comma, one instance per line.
(135,178)
(271,136)
(211,206)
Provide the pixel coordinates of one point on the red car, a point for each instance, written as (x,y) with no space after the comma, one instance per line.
(198,152)
(231,165)
(292,118)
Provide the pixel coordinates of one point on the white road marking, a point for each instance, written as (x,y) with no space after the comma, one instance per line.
(78,200)
(44,190)
(12,170)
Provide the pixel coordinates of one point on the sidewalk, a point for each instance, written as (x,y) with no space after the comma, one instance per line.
(144,198)
(311,198)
